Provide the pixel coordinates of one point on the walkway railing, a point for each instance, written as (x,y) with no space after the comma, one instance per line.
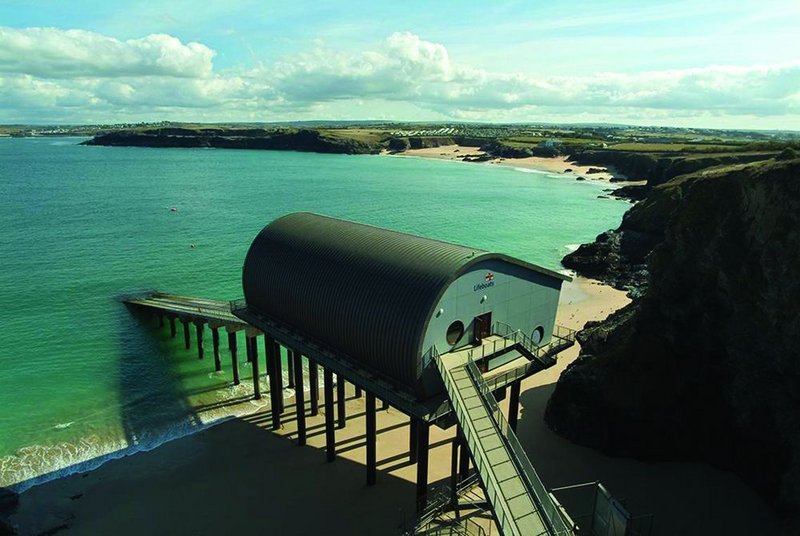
(546,509)
(438,504)
(549,510)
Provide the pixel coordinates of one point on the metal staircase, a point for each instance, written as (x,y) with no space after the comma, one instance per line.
(521,504)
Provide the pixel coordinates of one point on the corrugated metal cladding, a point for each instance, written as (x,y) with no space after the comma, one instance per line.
(365,291)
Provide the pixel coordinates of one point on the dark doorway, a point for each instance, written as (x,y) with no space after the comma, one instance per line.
(483,327)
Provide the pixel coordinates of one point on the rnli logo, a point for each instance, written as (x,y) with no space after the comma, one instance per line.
(488,281)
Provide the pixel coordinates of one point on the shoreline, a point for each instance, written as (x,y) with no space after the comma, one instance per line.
(555,165)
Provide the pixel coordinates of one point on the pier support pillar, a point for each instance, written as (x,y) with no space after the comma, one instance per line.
(172,330)
(277,367)
(234,358)
(423,435)
(256,382)
(384,404)
(187,340)
(372,436)
(198,327)
(275,394)
(412,440)
(215,345)
(513,405)
(248,347)
(313,380)
(463,462)
(454,475)
(299,402)
(289,368)
(358,391)
(341,411)
(330,433)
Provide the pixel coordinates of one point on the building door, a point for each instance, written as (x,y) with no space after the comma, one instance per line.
(483,327)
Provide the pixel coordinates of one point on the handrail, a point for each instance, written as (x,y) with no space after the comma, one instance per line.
(443,498)
(547,508)
(554,524)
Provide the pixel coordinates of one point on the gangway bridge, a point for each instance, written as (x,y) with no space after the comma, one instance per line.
(521,504)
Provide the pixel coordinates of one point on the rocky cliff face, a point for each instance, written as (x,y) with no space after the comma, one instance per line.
(658,168)
(290,140)
(619,257)
(706,365)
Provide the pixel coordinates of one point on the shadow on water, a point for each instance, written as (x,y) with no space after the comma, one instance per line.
(153,403)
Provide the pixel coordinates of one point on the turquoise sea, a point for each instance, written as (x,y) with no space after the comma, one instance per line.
(82,379)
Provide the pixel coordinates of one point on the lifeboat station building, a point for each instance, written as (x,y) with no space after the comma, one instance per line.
(437,330)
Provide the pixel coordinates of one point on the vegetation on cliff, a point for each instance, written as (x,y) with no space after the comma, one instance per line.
(706,365)
(307,140)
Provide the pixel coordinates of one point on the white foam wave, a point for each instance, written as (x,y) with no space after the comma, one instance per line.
(530,170)
(37,464)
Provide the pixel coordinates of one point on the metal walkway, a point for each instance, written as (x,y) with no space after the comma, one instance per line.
(214,312)
(521,504)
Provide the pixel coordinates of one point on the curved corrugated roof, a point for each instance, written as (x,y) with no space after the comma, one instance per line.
(366,291)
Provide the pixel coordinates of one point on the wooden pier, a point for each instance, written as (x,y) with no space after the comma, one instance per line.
(201,312)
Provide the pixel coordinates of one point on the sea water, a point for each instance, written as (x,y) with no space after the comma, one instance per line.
(82,379)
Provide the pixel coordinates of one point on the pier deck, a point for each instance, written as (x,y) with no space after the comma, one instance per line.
(214,312)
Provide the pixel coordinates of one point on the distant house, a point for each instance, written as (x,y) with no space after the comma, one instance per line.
(550,144)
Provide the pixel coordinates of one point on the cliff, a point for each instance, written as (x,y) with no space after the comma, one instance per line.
(619,257)
(284,140)
(658,168)
(706,365)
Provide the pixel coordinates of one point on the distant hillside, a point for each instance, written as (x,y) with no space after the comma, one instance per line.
(240,138)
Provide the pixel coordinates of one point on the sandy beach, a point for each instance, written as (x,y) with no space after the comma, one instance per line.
(551,165)
(239,474)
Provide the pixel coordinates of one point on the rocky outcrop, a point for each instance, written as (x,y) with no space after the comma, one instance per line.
(285,140)
(658,168)
(398,145)
(619,257)
(706,365)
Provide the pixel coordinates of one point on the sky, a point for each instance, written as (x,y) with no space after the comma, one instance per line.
(713,64)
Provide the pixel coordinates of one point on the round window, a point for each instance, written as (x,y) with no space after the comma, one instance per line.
(537,335)
(455,332)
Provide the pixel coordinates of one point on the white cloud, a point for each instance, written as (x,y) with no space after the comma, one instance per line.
(406,67)
(48,74)
(55,53)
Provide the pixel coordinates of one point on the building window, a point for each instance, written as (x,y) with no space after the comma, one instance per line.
(537,335)
(455,332)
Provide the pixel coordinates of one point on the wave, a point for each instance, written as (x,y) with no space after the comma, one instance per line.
(37,464)
(531,170)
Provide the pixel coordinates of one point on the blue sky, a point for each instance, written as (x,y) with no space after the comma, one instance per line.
(686,63)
